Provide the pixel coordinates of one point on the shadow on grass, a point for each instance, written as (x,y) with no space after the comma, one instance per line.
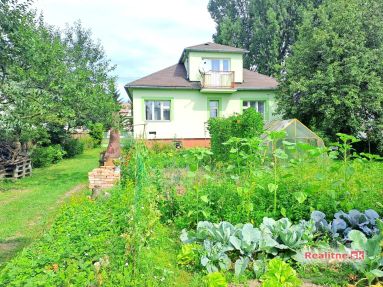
(9,248)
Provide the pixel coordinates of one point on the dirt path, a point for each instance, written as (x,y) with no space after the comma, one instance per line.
(71,192)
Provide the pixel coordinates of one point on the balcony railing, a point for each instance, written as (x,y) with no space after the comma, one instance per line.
(218,80)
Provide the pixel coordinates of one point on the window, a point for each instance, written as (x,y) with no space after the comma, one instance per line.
(157,110)
(259,106)
(214,108)
(217,65)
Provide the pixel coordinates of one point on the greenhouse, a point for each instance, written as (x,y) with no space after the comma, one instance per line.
(296,132)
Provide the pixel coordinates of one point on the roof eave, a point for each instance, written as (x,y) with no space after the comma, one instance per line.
(160,87)
(186,50)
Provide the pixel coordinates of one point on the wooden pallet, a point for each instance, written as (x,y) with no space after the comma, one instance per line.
(17,169)
(2,171)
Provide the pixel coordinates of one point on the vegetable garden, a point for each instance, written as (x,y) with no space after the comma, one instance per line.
(200,218)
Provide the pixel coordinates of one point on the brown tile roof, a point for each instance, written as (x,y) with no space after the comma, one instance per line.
(213,47)
(175,77)
(255,80)
(172,77)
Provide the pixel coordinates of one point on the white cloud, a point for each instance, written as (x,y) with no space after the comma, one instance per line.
(140,36)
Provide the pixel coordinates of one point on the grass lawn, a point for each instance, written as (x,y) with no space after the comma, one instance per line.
(29,205)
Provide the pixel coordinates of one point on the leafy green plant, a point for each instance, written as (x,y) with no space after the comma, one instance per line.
(96,131)
(372,264)
(215,279)
(247,125)
(243,242)
(280,274)
(189,254)
(73,147)
(343,223)
(44,156)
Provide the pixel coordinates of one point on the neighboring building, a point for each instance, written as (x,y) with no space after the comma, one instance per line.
(208,81)
(126,115)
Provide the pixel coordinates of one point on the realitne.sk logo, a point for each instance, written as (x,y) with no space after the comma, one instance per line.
(329,255)
(353,255)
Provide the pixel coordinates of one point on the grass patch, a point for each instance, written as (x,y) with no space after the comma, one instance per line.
(28,205)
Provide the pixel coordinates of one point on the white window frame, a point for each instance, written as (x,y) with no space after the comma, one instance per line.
(256,106)
(217,108)
(162,109)
(220,64)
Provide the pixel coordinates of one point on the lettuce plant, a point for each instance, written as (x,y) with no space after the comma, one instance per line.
(280,274)
(215,279)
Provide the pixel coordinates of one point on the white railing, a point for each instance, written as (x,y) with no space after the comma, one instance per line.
(218,80)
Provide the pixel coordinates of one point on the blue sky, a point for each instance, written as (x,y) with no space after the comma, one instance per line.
(139,36)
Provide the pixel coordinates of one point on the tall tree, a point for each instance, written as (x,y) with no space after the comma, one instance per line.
(267,28)
(53,79)
(334,77)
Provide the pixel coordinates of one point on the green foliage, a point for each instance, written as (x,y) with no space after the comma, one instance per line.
(280,274)
(188,255)
(96,131)
(243,243)
(87,141)
(215,279)
(67,255)
(44,156)
(50,77)
(72,147)
(331,81)
(371,266)
(266,28)
(247,125)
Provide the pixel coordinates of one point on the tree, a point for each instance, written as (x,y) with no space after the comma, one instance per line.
(333,80)
(52,80)
(267,28)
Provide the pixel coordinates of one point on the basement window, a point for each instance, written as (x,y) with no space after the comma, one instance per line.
(157,110)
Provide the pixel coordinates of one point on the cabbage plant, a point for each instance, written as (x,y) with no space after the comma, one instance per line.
(243,243)
(343,223)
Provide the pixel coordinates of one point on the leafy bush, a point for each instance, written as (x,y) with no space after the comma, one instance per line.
(87,141)
(97,133)
(280,274)
(73,147)
(44,156)
(247,125)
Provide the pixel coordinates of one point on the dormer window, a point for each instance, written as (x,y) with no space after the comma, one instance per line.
(217,65)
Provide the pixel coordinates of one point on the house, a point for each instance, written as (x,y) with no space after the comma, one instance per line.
(208,81)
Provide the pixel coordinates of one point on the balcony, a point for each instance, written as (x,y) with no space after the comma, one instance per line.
(218,82)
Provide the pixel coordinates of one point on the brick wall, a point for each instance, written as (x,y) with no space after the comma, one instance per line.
(104,177)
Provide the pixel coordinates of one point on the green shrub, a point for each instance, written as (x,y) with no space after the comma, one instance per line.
(73,147)
(247,125)
(44,156)
(87,141)
(97,133)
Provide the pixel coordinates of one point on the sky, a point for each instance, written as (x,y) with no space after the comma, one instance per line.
(139,36)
